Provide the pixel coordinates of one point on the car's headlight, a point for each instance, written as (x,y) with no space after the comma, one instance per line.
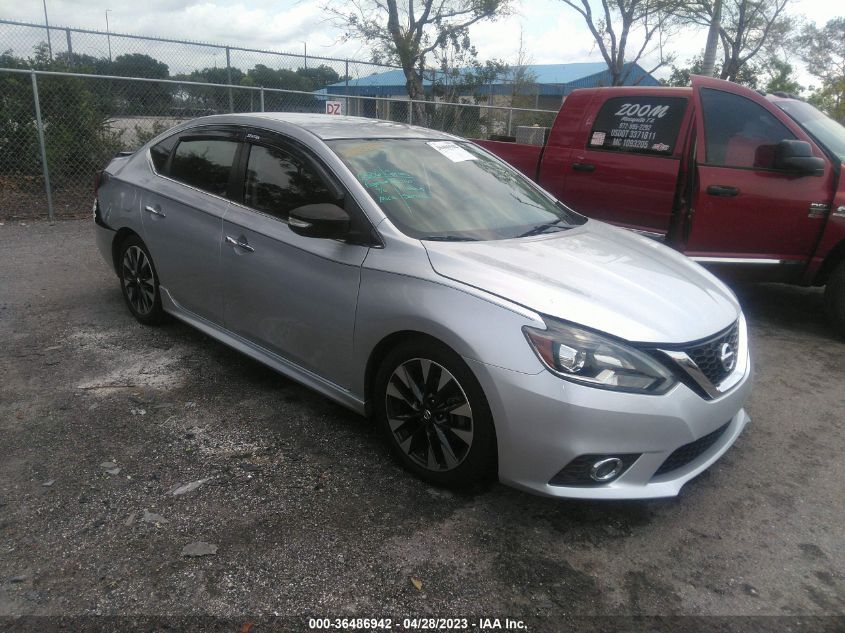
(598,361)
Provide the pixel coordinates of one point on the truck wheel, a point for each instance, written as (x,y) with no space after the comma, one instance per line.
(834,297)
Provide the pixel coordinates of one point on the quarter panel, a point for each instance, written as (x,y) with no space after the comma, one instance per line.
(118,200)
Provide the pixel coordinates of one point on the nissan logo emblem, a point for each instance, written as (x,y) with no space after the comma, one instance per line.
(727,357)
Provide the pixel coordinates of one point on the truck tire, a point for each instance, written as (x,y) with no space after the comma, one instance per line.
(834,298)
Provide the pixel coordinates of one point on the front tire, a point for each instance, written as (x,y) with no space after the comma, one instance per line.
(834,298)
(139,281)
(434,415)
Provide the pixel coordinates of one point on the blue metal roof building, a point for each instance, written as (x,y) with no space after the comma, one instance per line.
(552,80)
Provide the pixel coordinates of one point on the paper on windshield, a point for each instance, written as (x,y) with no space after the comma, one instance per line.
(451,151)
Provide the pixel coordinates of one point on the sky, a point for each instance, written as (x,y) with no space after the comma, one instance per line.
(552,32)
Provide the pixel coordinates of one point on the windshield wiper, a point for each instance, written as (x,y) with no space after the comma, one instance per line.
(448,238)
(542,228)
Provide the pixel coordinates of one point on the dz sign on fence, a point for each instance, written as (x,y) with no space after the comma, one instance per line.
(334,107)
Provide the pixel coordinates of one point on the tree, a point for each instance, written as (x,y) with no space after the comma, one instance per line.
(780,77)
(142,97)
(771,75)
(708,66)
(208,99)
(522,80)
(77,134)
(650,21)
(139,65)
(281,79)
(320,77)
(747,27)
(82,63)
(460,76)
(823,50)
(460,73)
(405,34)
(748,75)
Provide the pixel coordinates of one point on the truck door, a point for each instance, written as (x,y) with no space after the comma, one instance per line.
(625,163)
(745,210)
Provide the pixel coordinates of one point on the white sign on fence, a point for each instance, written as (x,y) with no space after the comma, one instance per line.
(334,107)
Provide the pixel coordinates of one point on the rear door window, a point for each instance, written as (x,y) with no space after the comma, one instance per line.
(639,124)
(277,182)
(204,163)
(160,152)
(739,132)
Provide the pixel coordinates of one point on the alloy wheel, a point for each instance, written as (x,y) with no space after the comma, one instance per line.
(429,414)
(138,279)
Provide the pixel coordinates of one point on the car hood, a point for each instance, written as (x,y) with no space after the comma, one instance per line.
(605,278)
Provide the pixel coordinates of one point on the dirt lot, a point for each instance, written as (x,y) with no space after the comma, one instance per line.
(101,418)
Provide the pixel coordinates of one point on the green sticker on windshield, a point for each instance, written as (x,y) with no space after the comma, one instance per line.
(386,185)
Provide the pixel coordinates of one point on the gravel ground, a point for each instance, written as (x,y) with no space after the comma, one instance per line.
(101,420)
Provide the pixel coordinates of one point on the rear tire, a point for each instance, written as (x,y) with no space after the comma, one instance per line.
(434,415)
(139,281)
(834,298)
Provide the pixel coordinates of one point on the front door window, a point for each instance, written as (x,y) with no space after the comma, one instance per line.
(738,132)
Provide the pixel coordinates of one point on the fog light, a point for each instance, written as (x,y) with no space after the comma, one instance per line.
(606,469)
(594,469)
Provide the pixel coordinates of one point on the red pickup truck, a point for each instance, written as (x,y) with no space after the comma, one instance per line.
(737,180)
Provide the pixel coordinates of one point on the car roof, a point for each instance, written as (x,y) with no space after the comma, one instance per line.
(327,127)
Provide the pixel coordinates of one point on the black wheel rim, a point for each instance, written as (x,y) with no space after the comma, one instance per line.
(138,280)
(429,414)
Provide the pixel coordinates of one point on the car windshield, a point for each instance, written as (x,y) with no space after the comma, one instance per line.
(821,127)
(451,190)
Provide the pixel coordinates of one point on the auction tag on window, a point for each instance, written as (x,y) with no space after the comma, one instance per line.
(451,151)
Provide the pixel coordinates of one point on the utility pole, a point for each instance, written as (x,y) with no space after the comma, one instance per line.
(47,26)
(108,33)
(305,44)
(708,66)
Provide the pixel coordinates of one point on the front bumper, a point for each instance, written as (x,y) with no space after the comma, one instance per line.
(544,422)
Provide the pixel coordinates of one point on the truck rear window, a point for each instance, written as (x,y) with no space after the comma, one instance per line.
(640,124)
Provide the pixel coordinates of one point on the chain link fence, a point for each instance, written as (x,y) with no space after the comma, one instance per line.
(108,53)
(58,129)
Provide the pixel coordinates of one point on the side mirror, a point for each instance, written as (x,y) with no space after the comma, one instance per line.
(797,157)
(324,220)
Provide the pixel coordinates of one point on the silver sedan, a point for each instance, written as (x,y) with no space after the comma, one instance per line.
(409,275)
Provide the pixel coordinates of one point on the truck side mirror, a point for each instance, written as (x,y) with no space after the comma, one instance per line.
(797,157)
(324,220)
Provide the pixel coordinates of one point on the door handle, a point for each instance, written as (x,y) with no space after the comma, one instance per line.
(240,243)
(723,191)
(583,167)
(154,211)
